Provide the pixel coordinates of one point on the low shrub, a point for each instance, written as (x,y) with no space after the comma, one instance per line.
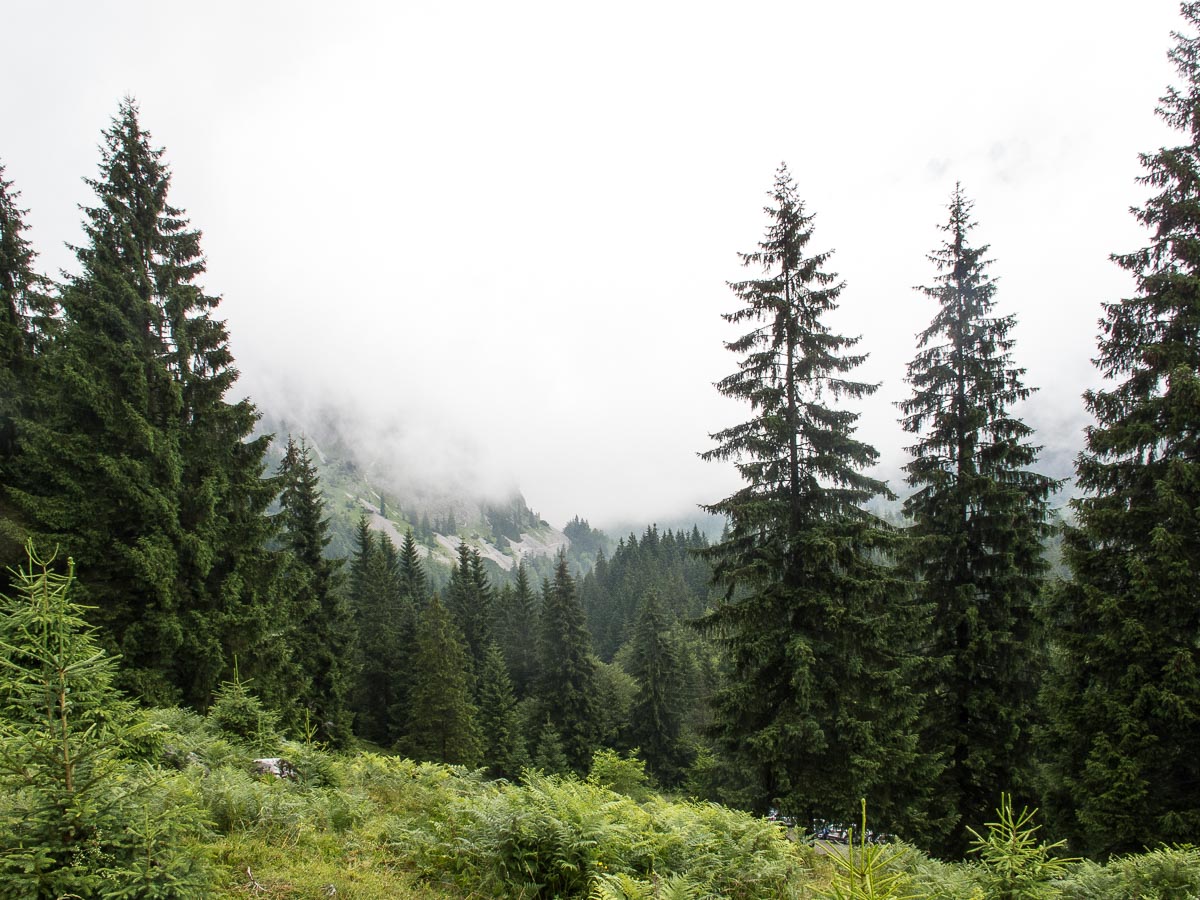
(622,774)
(1168,873)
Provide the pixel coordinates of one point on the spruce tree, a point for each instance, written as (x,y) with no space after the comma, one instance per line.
(23,300)
(567,692)
(516,630)
(101,468)
(321,629)
(499,721)
(363,595)
(24,309)
(443,725)
(979,517)
(548,755)
(817,629)
(130,454)
(413,582)
(658,707)
(1124,703)
(72,800)
(360,563)
(469,601)
(382,627)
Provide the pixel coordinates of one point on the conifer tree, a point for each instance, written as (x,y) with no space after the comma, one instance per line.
(23,305)
(606,609)
(71,800)
(547,752)
(364,548)
(818,630)
(413,582)
(23,300)
(499,722)
(469,601)
(130,454)
(567,693)
(979,517)
(1124,703)
(24,309)
(321,628)
(240,713)
(411,596)
(658,707)
(443,725)
(101,465)
(383,629)
(517,614)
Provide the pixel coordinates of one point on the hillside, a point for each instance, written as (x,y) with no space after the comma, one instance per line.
(362,476)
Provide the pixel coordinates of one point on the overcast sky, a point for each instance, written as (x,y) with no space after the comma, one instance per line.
(505,228)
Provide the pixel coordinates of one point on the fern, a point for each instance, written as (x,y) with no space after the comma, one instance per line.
(673,887)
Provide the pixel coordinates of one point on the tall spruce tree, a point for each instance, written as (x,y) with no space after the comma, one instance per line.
(321,629)
(382,627)
(1124,701)
(567,689)
(101,468)
(979,517)
(130,454)
(656,718)
(817,628)
(23,305)
(22,290)
(443,724)
(516,630)
(469,601)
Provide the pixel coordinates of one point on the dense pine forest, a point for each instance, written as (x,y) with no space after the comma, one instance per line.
(235,663)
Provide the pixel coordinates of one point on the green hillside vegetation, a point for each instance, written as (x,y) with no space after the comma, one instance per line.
(102,799)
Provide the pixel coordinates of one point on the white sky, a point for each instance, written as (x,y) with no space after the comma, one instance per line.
(504,229)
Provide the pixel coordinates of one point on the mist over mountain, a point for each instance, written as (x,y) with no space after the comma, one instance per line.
(418,462)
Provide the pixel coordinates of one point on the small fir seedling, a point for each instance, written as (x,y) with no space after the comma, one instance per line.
(72,790)
(237,712)
(868,871)
(1015,865)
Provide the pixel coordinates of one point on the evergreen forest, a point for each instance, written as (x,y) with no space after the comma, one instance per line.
(223,673)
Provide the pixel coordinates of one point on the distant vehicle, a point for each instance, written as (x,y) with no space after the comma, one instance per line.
(845,834)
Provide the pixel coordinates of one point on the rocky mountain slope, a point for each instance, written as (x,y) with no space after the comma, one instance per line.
(373,484)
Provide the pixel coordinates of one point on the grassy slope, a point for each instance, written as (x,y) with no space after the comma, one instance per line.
(368,825)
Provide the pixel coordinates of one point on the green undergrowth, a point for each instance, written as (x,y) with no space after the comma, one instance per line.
(372,825)
(101,800)
(379,827)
